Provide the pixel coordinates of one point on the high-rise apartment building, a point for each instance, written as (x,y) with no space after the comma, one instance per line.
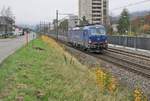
(95,11)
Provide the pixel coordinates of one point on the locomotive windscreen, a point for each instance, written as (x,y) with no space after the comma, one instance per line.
(98,31)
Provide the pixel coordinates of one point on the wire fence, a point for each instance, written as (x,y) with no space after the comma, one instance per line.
(133,42)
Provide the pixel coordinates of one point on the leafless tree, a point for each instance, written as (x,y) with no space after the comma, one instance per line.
(7,12)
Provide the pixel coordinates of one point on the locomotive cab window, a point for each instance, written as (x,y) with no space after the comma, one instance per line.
(98,31)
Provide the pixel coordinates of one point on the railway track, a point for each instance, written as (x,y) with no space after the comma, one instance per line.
(128,62)
(134,62)
(137,68)
(133,54)
(138,64)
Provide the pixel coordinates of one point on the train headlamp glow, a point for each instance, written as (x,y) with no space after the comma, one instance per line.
(90,41)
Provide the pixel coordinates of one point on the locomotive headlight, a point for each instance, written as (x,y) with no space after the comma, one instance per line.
(106,41)
(90,41)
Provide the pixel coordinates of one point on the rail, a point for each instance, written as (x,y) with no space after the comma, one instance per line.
(137,63)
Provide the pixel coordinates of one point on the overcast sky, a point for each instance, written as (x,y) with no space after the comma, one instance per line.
(34,11)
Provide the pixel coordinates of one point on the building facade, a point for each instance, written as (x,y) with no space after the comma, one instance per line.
(72,21)
(95,11)
(6,25)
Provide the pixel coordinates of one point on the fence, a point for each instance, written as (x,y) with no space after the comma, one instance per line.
(134,42)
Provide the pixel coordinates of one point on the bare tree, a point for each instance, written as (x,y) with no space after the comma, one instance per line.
(7,12)
(3,11)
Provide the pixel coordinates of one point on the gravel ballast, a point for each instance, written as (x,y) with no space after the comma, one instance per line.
(125,77)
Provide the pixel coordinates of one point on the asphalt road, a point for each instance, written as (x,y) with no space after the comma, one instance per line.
(9,46)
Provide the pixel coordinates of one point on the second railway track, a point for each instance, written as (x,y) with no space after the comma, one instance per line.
(128,61)
(134,62)
(131,54)
(139,69)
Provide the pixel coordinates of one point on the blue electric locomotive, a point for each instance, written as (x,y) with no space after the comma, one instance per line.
(91,37)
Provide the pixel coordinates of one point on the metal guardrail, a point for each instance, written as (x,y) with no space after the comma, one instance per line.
(133,42)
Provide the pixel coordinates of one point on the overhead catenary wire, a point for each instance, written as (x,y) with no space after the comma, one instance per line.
(132,4)
(114,9)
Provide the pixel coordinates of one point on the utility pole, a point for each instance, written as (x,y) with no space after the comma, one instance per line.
(130,28)
(40,27)
(44,27)
(57,23)
(49,28)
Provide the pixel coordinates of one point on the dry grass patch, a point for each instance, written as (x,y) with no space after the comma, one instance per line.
(51,75)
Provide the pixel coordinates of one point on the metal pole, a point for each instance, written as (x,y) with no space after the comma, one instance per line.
(136,43)
(130,28)
(57,23)
(40,27)
(44,27)
(49,28)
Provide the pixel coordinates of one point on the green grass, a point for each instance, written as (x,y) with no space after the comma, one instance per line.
(48,75)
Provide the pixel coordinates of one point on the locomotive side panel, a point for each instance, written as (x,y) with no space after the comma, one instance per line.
(75,37)
(89,37)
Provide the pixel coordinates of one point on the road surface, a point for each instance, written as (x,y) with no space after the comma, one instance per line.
(9,46)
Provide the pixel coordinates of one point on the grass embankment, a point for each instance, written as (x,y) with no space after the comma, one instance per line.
(46,72)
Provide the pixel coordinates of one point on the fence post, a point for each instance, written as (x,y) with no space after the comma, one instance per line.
(124,41)
(120,41)
(136,43)
(127,41)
